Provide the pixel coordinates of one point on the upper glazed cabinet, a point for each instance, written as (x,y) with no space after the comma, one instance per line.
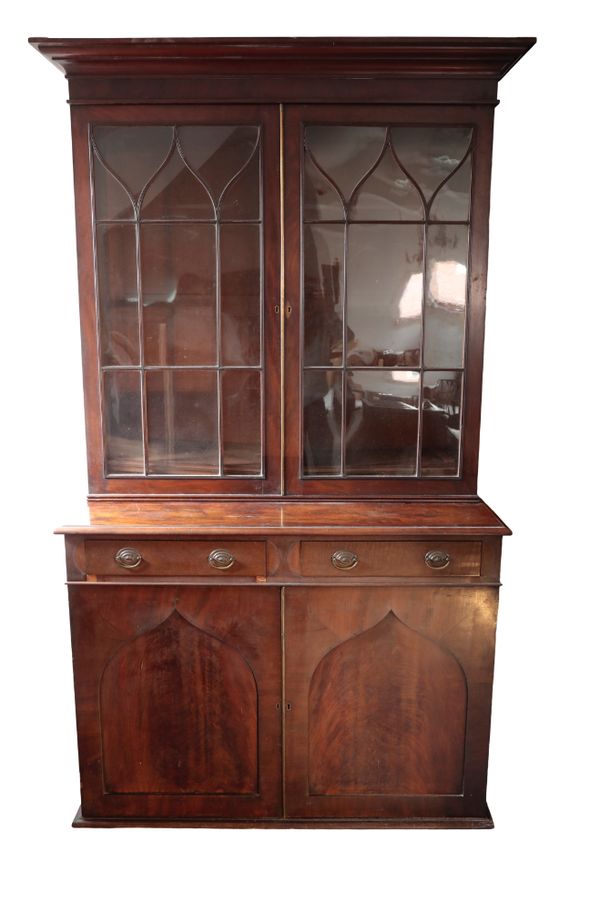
(283,298)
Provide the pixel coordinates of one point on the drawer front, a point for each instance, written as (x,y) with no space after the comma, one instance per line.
(218,558)
(412,559)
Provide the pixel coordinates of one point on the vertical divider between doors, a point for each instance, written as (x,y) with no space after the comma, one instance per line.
(281,309)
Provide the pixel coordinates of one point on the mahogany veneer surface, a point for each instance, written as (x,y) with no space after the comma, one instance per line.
(190,517)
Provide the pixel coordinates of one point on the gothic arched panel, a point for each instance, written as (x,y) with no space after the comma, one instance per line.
(179,712)
(387,713)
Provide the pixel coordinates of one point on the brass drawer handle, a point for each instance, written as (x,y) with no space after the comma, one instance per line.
(437,559)
(344,559)
(221,559)
(128,558)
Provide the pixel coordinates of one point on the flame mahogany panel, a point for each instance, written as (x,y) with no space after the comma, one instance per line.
(178,693)
(389,689)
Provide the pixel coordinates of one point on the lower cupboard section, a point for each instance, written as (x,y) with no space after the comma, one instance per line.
(181,713)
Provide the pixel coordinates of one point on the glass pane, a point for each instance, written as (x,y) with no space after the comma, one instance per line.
(382,422)
(111,200)
(240,295)
(242,198)
(178,287)
(430,154)
(323,287)
(321,200)
(217,153)
(445,309)
(387,193)
(442,401)
(117,295)
(182,422)
(385,289)
(134,153)
(174,193)
(346,153)
(453,202)
(322,420)
(122,415)
(241,400)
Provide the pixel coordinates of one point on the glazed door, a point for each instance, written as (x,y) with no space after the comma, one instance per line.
(385,230)
(179,279)
(178,693)
(388,693)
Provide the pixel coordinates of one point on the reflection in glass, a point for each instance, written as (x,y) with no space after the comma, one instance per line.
(453,202)
(217,153)
(182,422)
(174,193)
(117,294)
(241,403)
(445,306)
(430,154)
(345,152)
(111,200)
(323,288)
(240,295)
(242,198)
(322,422)
(185,205)
(321,200)
(382,414)
(442,402)
(122,417)
(385,283)
(387,193)
(179,293)
(133,153)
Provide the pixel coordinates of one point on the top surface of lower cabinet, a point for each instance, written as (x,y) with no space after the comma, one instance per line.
(319,517)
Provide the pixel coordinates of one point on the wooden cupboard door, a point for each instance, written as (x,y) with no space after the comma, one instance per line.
(388,694)
(178,693)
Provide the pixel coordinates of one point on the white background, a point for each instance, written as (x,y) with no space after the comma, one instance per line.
(539,465)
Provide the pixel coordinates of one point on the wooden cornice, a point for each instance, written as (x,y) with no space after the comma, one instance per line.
(377,57)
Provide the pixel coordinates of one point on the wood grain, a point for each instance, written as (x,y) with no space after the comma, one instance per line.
(179,713)
(386,715)
(172,515)
(178,695)
(393,558)
(175,558)
(369,669)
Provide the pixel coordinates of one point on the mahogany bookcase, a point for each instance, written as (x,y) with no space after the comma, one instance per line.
(283,605)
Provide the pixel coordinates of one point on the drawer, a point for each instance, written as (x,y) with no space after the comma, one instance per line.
(218,558)
(390,558)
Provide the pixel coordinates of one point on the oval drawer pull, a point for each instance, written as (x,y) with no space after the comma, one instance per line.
(221,559)
(128,558)
(437,559)
(344,559)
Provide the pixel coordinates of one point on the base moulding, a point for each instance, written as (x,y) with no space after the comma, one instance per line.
(486,821)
